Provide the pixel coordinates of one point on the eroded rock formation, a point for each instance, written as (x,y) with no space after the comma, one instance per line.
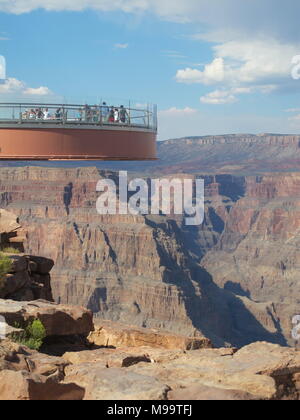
(260,371)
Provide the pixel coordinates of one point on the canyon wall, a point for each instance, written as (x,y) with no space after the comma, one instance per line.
(154,271)
(258,252)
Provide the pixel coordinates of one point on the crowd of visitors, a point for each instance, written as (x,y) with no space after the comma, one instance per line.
(94,114)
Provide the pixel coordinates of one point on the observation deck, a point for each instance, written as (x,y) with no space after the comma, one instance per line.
(41,131)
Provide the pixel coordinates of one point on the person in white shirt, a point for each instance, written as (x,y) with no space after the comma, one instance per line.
(116,115)
(46,114)
(32,114)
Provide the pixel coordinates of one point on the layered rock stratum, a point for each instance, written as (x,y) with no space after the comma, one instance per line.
(233,279)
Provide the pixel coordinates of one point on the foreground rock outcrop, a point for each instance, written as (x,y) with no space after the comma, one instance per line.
(58,320)
(11,232)
(29,375)
(113,334)
(29,278)
(260,371)
(29,275)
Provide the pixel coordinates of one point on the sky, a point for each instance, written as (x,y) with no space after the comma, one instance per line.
(211,66)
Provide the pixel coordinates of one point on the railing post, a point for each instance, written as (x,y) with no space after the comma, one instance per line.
(100,115)
(155,122)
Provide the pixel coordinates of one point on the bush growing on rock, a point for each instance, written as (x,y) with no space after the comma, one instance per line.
(10,250)
(32,335)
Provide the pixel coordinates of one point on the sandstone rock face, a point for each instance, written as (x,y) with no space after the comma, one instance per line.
(58,320)
(22,386)
(207,393)
(27,280)
(29,276)
(11,232)
(108,333)
(260,371)
(115,384)
(28,375)
(106,357)
(271,378)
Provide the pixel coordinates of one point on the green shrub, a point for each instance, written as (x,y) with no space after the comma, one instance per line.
(10,250)
(32,336)
(5,267)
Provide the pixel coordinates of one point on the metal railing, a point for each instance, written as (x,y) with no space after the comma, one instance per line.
(86,115)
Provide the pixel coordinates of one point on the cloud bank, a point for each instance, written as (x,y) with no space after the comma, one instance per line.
(252,41)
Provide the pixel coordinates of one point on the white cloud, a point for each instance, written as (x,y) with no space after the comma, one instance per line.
(295,118)
(121,46)
(294,122)
(178,112)
(248,62)
(13,87)
(273,17)
(255,39)
(221,97)
(218,97)
(41,91)
(213,72)
(293,110)
(244,66)
(167,9)
(173,54)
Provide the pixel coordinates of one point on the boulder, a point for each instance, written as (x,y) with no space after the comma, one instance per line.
(21,385)
(28,375)
(266,371)
(42,265)
(208,393)
(8,222)
(6,331)
(19,262)
(109,358)
(58,320)
(108,333)
(18,357)
(12,283)
(116,384)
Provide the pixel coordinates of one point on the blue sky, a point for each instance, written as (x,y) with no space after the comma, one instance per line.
(213,67)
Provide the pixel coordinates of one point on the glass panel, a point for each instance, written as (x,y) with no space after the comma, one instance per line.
(144,116)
